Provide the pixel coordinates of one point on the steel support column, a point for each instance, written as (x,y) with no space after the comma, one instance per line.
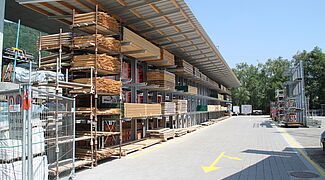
(2,18)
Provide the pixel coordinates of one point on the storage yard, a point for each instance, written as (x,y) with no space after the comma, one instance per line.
(127,89)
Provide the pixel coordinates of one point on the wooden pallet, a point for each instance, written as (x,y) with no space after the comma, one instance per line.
(180,132)
(163,134)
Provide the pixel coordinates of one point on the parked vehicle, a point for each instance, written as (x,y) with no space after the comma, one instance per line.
(246,109)
(322,140)
(257,112)
(235,110)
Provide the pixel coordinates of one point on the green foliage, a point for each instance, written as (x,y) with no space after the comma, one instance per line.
(314,70)
(259,82)
(27,37)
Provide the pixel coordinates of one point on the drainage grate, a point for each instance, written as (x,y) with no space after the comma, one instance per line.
(304,175)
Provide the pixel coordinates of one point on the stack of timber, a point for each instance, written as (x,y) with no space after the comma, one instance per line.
(103,86)
(181,105)
(163,134)
(193,128)
(184,67)
(107,45)
(166,59)
(106,24)
(214,107)
(189,89)
(134,42)
(197,72)
(168,108)
(132,110)
(51,42)
(49,61)
(180,132)
(219,119)
(164,79)
(204,77)
(208,123)
(86,110)
(212,82)
(109,64)
(85,154)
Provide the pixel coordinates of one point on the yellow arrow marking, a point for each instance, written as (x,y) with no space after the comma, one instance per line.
(210,168)
(234,158)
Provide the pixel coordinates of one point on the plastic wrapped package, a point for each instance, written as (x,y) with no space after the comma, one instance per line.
(11,149)
(13,170)
(22,75)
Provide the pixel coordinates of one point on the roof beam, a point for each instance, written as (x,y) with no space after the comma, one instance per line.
(37,1)
(171,35)
(179,41)
(163,26)
(60,17)
(191,45)
(134,21)
(194,50)
(197,53)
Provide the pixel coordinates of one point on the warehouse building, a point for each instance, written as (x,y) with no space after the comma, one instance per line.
(128,74)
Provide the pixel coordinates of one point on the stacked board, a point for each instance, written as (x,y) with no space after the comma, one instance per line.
(181,105)
(135,42)
(214,107)
(164,79)
(197,72)
(53,41)
(163,134)
(189,89)
(104,61)
(49,61)
(105,22)
(184,67)
(132,110)
(105,44)
(168,108)
(212,82)
(166,59)
(104,86)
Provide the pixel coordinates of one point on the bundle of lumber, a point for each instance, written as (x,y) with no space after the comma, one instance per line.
(181,105)
(163,134)
(132,110)
(204,77)
(189,89)
(162,78)
(208,123)
(196,72)
(105,44)
(184,67)
(53,41)
(212,82)
(168,108)
(193,128)
(49,61)
(134,42)
(214,107)
(106,23)
(180,132)
(105,86)
(166,59)
(112,111)
(104,61)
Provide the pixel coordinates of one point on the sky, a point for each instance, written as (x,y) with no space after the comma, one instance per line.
(253,31)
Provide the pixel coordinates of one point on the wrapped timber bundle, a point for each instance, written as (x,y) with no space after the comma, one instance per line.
(166,59)
(104,61)
(51,42)
(137,43)
(104,86)
(184,67)
(112,111)
(214,107)
(107,24)
(164,79)
(132,110)
(105,44)
(189,89)
(168,108)
(163,134)
(181,105)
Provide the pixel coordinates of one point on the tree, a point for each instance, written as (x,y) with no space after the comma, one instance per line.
(314,70)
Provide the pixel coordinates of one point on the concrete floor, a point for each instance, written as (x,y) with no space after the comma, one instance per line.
(243,147)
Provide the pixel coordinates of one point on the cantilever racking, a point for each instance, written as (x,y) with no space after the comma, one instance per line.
(98,131)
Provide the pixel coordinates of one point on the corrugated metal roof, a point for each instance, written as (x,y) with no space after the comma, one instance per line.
(167,23)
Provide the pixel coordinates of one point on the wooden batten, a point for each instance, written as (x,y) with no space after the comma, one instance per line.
(138,43)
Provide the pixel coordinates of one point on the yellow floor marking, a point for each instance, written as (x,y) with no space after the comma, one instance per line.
(319,169)
(210,168)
